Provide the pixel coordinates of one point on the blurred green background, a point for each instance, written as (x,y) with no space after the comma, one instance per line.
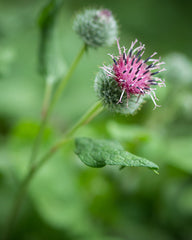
(68,200)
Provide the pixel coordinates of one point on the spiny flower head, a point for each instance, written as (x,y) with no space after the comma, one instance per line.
(108,92)
(134,75)
(97,27)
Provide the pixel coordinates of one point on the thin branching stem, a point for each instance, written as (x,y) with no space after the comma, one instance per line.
(49,105)
(87,117)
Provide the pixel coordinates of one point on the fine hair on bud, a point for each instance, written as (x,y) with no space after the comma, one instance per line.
(96,27)
(109,92)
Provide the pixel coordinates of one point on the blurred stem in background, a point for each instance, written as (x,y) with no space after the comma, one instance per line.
(49,105)
(47,98)
(86,118)
(46,23)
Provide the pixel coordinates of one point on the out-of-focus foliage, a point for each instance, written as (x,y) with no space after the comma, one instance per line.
(67,200)
(51,63)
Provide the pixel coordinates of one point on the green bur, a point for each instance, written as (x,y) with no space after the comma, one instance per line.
(96,27)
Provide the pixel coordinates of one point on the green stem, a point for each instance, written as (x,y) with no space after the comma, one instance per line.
(95,110)
(46,103)
(48,106)
(47,98)
(63,83)
(17,204)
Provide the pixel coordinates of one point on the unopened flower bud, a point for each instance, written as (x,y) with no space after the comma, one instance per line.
(96,27)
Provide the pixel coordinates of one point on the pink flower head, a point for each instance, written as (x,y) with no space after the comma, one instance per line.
(135,75)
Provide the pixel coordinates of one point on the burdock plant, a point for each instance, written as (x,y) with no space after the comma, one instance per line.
(123,85)
(120,87)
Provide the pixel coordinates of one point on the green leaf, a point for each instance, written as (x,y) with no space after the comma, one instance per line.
(51,62)
(49,12)
(99,153)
